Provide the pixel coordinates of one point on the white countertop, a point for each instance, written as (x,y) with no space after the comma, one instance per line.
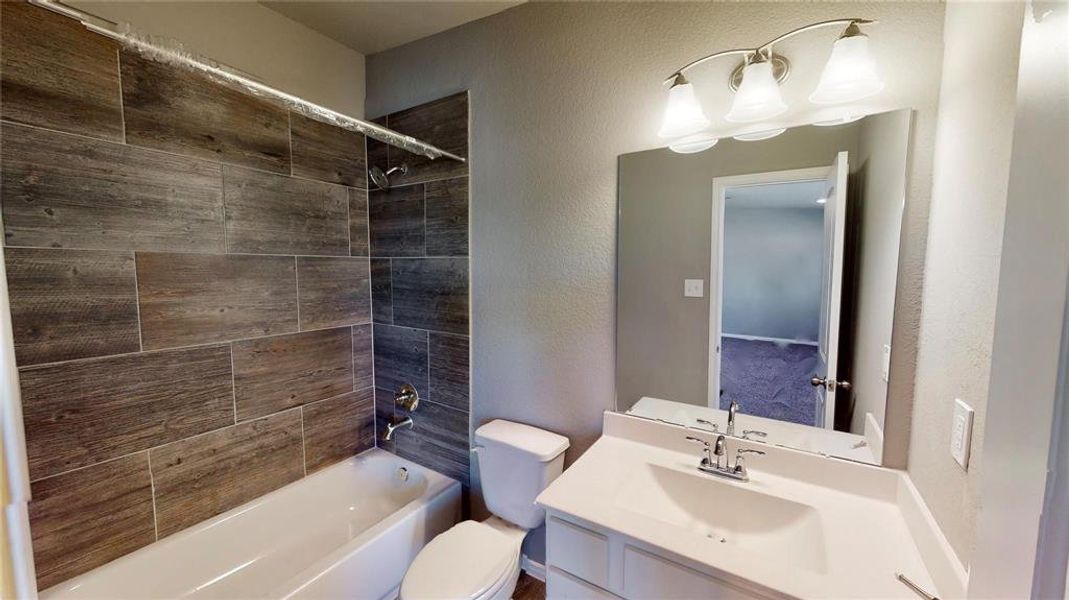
(867,536)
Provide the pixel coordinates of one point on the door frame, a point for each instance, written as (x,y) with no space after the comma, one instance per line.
(716,256)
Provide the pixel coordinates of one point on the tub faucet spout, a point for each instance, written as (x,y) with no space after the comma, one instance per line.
(395,423)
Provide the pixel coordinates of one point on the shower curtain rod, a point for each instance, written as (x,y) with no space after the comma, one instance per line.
(173,53)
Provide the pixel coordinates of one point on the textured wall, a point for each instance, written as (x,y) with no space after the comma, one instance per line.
(420,281)
(772,265)
(190,328)
(970,174)
(255,39)
(1022,532)
(558,92)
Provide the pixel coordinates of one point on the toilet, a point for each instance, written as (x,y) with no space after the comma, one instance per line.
(481,561)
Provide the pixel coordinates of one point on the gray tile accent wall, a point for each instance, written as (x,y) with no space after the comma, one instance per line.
(182,291)
(420,287)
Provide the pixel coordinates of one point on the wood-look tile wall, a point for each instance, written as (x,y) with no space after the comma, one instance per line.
(190,287)
(418,243)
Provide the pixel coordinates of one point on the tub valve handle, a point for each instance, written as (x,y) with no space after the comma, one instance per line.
(407,397)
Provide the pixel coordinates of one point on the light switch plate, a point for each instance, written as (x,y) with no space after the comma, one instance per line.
(693,288)
(961,433)
(886,358)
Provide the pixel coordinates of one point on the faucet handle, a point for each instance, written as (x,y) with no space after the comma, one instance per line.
(740,467)
(748,432)
(713,426)
(708,458)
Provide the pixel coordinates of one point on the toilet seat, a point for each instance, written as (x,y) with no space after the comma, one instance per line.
(472,560)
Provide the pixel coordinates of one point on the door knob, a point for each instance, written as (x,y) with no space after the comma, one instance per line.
(830,384)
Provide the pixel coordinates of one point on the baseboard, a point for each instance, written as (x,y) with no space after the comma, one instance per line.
(532,568)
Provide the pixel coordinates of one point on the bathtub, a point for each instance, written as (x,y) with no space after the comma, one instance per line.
(348,531)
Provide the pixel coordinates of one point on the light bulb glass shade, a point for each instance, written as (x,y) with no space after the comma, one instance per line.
(756,136)
(693,143)
(683,115)
(843,120)
(758,97)
(850,73)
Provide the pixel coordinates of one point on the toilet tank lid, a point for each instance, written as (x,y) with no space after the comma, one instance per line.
(545,445)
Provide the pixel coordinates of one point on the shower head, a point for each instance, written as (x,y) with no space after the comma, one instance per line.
(382,179)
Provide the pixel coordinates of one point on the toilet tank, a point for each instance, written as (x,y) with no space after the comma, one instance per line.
(517,462)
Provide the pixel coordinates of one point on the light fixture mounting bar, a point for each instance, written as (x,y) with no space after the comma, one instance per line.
(175,54)
(766,48)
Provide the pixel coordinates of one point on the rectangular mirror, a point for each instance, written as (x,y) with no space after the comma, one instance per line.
(762,274)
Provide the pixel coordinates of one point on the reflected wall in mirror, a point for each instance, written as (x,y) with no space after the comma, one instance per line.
(764,274)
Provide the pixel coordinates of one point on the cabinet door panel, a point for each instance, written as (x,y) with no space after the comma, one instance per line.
(563,586)
(651,577)
(580,551)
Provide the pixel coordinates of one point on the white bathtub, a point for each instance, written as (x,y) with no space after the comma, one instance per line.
(349,531)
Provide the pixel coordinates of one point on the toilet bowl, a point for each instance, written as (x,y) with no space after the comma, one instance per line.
(472,560)
(481,560)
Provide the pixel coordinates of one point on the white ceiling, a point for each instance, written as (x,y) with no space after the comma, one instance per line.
(370,27)
(796,194)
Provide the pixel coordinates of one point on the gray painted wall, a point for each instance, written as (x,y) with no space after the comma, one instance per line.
(772,266)
(880,172)
(1023,461)
(558,92)
(255,39)
(970,179)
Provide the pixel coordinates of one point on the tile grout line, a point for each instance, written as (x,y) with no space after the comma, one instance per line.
(189,157)
(137,309)
(352,356)
(391,292)
(222,196)
(152,484)
(223,342)
(172,442)
(122,102)
(349,220)
(304,452)
(189,253)
(233,382)
(297,290)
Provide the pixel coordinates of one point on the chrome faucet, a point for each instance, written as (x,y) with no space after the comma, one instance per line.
(723,467)
(408,399)
(394,423)
(732,409)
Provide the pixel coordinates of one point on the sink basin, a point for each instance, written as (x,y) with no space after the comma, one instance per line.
(719,512)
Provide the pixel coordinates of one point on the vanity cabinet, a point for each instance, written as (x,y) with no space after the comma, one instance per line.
(584,561)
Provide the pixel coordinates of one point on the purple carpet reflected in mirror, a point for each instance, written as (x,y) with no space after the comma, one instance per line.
(769,379)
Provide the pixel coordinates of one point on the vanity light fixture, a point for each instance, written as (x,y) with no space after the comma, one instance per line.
(758,97)
(849,75)
(683,116)
(843,120)
(694,143)
(756,136)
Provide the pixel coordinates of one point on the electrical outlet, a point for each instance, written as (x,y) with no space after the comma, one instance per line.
(693,288)
(885,373)
(961,433)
